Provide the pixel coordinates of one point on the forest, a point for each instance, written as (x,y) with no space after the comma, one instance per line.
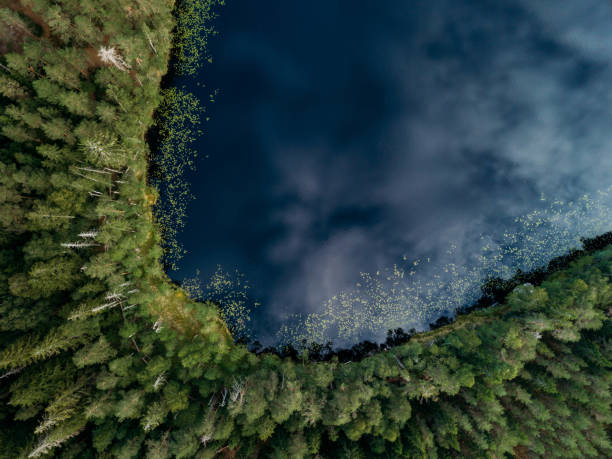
(102,356)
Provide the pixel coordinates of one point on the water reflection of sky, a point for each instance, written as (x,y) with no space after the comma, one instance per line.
(348,134)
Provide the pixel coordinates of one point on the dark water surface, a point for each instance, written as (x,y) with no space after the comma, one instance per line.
(426,143)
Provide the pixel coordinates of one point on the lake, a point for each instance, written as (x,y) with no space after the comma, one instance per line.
(367,164)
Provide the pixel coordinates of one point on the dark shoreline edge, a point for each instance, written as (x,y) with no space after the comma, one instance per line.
(152,136)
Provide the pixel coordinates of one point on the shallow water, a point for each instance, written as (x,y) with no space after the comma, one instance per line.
(368,163)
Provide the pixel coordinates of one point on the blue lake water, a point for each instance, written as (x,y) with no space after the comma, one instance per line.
(368,163)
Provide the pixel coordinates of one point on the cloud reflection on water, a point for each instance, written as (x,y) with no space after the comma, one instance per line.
(348,135)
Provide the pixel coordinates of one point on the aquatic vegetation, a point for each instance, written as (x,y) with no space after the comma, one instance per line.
(194,27)
(414,293)
(230,293)
(498,169)
(178,123)
(178,120)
